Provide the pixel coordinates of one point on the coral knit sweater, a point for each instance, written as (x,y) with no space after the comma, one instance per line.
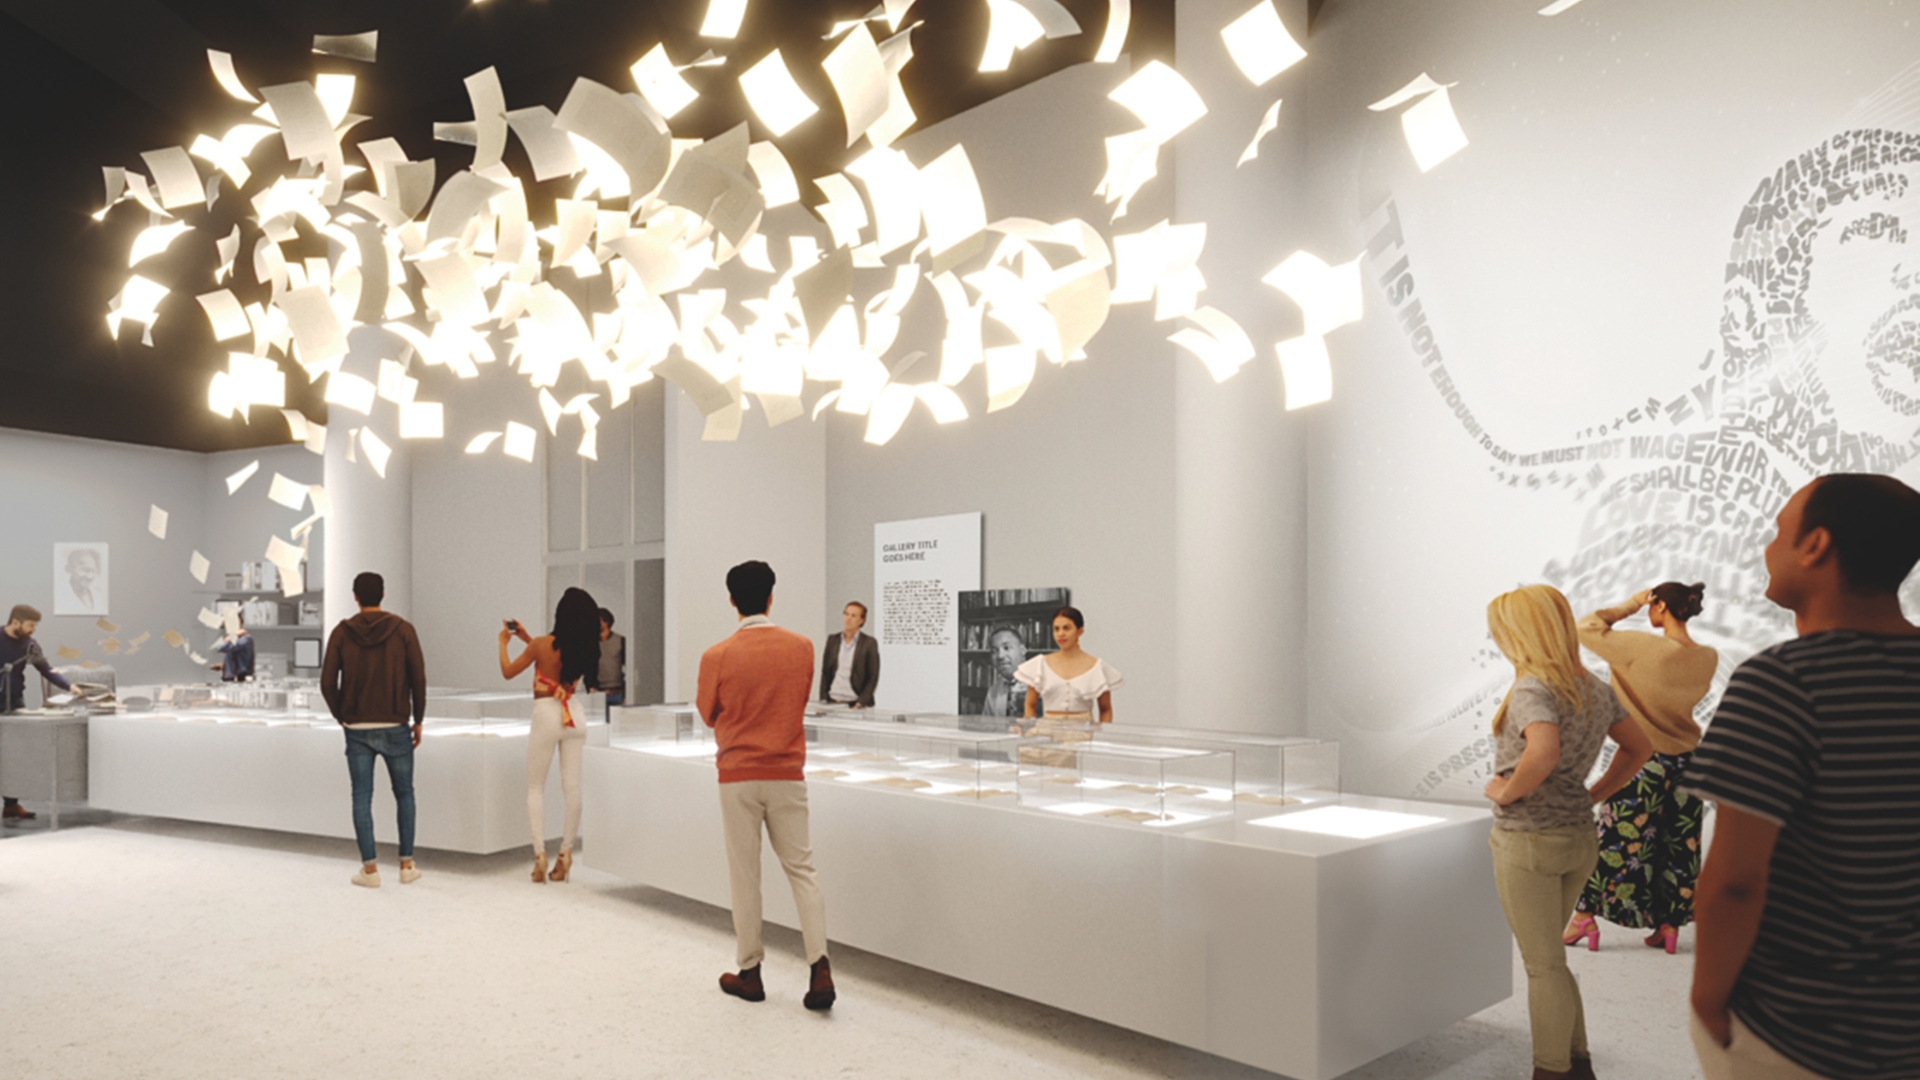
(753,694)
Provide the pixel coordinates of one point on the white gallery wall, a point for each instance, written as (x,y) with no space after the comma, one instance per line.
(1579,322)
(59,489)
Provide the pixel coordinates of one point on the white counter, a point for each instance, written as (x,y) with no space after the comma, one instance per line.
(272,771)
(1301,953)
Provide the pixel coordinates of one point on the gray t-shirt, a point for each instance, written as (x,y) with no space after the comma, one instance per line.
(1561,799)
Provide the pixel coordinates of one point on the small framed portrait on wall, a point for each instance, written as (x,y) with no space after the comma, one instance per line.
(80,579)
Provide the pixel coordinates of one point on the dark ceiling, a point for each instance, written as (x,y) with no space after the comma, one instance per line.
(96,83)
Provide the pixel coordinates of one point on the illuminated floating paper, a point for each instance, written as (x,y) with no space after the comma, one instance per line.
(776,179)
(480,442)
(238,479)
(489,117)
(1557,7)
(723,18)
(951,202)
(229,319)
(1162,99)
(1217,340)
(1114,39)
(198,567)
(1016,24)
(1306,369)
(660,83)
(362,47)
(351,391)
(156,524)
(1267,123)
(223,73)
(859,77)
(155,239)
(1329,296)
(422,420)
(549,150)
(1260,45)
(173,173)
(775,98)
(285,558)
(288,493)
(1420,85)
(1010,371)
(1433,131)
(521,441)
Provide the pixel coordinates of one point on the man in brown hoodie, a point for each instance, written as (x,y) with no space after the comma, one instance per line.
(373,678)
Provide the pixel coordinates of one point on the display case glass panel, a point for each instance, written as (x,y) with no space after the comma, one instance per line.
(1269,770)
(925,758)
(1095,777)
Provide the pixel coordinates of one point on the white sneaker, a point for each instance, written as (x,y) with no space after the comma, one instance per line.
(409,873)
(362,877)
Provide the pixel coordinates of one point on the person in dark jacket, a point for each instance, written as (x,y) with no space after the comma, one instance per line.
(236,663)
(374,678)
(850,661)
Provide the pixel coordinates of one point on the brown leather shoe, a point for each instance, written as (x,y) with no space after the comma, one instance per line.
(820,993)
(745,986)
(1548,1074)
(1582,1068)
(19,813)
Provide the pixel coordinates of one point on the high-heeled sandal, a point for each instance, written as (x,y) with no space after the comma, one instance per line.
(1666,937)
(539,868)
(1584,926)
(561,865)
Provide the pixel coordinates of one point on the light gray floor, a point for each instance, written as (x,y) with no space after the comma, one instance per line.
(155,949)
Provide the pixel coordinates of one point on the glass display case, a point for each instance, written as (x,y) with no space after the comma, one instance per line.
(1080,772)
(927,758)
(1269,770)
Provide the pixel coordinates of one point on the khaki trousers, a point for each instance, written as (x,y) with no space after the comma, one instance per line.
(781,806)
(1746,1057)
(1540,876)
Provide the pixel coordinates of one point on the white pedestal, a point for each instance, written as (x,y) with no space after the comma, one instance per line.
(470,792)
(1305,954)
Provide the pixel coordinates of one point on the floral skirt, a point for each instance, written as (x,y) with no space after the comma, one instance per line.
(1649,850)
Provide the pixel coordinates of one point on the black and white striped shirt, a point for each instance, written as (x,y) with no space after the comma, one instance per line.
(1821,735)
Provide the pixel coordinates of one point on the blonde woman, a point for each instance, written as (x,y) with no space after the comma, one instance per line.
(1547,734)
(1650,830)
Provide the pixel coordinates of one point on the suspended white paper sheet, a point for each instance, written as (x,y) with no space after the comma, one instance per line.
(155,239)
(548,149)
(1433,131)
(1114,40)
(1557,7)
(1306,369)
(157,522)
(229,319)
(660,83)
(173,173)
(859,79)
(288,493)
(479,443)
(351,391)
(951,201)
(1420,84)
(521,440)
(1267,123)
(223,73)
(774,174)
(1012,28)
(198,567)
(362,47)
(302,118)
(776,99)
(1162,99)
(422,420)
(723,18)
(620,127)
(315,325)
(1260,45)
(235,481)
(489,117)
(377,451)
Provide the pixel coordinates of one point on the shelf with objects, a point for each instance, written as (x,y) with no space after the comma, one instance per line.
(1123,878)
(268,754)
(1026,613)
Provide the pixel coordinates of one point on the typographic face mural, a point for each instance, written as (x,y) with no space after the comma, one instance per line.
(1817,370)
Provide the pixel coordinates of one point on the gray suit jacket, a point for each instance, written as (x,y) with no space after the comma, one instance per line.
(866,667)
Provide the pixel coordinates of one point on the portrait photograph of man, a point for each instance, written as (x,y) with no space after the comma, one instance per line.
(80,579)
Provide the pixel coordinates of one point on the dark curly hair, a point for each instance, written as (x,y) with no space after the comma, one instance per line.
(1681,601)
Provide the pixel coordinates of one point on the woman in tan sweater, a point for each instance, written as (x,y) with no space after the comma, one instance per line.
(1650,830)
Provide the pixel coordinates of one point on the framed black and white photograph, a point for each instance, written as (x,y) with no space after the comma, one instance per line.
(80,579)
(999,630)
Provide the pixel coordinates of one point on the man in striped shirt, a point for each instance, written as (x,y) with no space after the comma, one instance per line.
(1807,963)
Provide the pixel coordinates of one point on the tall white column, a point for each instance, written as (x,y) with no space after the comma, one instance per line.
(371,526)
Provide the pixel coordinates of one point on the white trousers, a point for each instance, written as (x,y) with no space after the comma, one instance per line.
(1746,1057)
(550,733)
(781,806)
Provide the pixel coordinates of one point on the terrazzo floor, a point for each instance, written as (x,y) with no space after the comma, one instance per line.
(163,949)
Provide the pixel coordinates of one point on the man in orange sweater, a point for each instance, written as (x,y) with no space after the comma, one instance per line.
(753,694)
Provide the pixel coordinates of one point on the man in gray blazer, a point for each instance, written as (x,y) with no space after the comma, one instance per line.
(850,661)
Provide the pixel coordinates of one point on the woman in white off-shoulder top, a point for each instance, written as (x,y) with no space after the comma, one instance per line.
(1069,683)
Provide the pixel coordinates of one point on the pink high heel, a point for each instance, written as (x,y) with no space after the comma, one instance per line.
(1584,926)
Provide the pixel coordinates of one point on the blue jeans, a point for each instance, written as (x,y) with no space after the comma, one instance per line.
(616,698)
(396,745)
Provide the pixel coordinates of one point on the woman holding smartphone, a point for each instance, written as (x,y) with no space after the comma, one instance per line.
(569,655)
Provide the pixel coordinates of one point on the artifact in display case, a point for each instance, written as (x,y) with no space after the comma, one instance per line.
(921,758)
(669,730)
(1083,774)
(1269,770)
